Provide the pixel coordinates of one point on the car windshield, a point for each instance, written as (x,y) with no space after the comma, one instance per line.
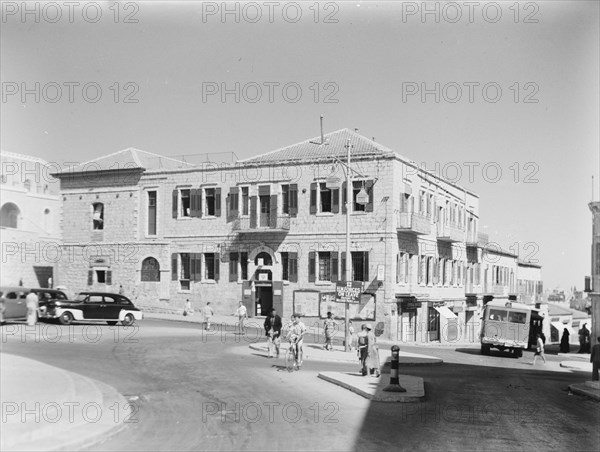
(81,297)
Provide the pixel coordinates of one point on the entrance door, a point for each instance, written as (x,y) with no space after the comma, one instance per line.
(264,299)
(265,211)
(409,324)
(433,324)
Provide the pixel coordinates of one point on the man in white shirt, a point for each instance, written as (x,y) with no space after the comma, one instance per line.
(242,314)
(32,302)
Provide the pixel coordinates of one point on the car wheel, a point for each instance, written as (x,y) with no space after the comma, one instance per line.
(66,318)
(485,349)
(128,320)
(112,323)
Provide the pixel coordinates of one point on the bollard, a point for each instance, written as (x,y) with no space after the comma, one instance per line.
(394,385)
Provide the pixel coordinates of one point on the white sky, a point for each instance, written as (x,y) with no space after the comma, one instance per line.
(371,56)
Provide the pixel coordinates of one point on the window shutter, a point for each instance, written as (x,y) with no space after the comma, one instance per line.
(293,267)
(344,189)
(313,198)
(398,268)
(343,267)
(175,195)
(233,267)
(335,200)
(366,266)
(253,213)
(199,201)
(232,212)
(217,266)
(109,277)
(293,202)
(311,266)
(174,267)
(369,188)
(192,264)
(90,280)
(217,202)
(334,266)
(273,212)
(420,275)
(193,203)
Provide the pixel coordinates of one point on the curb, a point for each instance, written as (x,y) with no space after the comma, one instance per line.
(415,387)
(584,390)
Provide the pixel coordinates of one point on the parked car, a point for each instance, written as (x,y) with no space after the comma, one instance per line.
(15,306)
(93,306)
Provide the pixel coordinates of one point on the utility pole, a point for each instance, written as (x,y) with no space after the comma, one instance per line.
(348,269)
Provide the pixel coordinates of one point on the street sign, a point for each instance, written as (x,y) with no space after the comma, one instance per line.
(348,292)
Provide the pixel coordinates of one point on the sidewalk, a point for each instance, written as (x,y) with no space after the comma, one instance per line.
(47,408)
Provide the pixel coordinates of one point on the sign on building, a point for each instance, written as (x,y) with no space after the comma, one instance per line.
(348,292)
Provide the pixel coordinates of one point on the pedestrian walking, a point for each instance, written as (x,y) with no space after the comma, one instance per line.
(584,335)
(242,314)
(208,314)
(32,301)
(330,325)
(372,352)
(564,342)
(595,359)
(539,350)
(352,335)
(187,308)
(273,326)
(363,350)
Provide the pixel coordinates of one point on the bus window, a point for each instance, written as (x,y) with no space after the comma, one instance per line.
(497,314)
(517,317)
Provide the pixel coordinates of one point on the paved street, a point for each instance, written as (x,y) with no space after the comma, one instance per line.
(193,391)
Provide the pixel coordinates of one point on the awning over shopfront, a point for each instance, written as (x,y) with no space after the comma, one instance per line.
(445,312)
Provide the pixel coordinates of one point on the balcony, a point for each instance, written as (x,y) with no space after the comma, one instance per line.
(480,241)
(263,224)
(412,222)
(450,233)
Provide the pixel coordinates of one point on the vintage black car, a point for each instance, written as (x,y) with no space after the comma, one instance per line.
(93,306)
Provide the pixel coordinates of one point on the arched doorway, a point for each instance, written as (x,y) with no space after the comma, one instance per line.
(9,216)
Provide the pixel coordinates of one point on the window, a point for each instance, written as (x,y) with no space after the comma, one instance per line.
(185,202)
(244,265)
(497,314)
(325,197)
(152,213)
(360,265)
(285,199)
(433,320)
(517,317)
(98,215)
(150,270)
(289,264)
(210,203)
(245,206)
(185,273)
(324,266)
(211,266)
(9,215)
(357,186)
(234,259)
(101,276)
(421,202)
(405,202)
(402,268)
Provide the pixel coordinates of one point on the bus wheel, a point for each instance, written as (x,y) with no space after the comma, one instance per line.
(518,352)
(485,349)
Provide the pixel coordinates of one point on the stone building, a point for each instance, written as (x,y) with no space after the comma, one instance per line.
(594,296)
(271,231)
(29,221)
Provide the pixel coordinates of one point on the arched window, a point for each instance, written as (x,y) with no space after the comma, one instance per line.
(150,270)
(9,215)
(98,215)
(266,257)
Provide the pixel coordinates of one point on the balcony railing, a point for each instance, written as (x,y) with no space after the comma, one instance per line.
(412,222)
(481,240)
(264,224)
(450,233)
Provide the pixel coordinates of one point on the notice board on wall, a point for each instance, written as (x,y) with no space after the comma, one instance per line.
(364,310)
(306,303)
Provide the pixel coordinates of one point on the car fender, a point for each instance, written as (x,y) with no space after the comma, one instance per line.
(136,314)
(76,313)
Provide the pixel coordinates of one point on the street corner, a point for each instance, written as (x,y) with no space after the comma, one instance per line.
(374,388)
(589,389)
(57,409)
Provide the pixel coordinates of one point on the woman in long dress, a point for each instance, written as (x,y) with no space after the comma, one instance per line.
(372,352)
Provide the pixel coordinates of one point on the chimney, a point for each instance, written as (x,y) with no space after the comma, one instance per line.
(322,137)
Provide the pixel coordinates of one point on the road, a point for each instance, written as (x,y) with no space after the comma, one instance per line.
(193,391)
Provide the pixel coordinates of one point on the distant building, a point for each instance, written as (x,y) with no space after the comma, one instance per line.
(29,221)
(594,296)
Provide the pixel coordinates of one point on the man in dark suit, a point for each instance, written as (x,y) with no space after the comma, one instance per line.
(273,330)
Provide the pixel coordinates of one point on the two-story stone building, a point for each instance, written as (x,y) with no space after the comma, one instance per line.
(271,231)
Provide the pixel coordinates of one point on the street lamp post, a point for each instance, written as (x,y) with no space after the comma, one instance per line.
(348,269)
